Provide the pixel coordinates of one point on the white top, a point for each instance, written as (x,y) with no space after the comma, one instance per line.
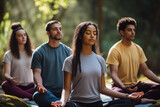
(20,67)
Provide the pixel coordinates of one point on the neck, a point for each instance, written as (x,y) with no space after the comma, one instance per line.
(126,42)
(86,50)
(53,43)
(21,47)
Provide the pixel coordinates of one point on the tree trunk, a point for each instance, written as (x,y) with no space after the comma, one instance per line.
(2,9)
(100,22)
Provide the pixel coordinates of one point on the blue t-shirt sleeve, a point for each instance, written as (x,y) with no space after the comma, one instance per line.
(36,60)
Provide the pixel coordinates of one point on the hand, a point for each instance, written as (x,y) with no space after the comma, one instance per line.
(130,89)
(41,89)
(57,104)
(136,95)
(14,81)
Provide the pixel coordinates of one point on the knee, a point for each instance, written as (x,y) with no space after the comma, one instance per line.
(41,99)
(5,84)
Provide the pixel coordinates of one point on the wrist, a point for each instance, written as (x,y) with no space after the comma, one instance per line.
(123,87)
(9,79)
(38,84)
(126,95)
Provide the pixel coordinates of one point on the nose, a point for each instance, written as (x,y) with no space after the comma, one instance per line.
(133,31)
(23,36)
(58,30)
(92,35)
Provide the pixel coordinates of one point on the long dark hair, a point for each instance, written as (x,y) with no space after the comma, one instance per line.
(77,45)
(13,44)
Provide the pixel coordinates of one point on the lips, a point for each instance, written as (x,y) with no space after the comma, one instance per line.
(59,35)
(92,40)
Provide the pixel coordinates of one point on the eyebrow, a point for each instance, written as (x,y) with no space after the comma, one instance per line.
(90,30)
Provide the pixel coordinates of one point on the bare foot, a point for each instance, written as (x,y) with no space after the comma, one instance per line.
(146,100)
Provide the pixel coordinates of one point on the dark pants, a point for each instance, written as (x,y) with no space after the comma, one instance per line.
(120,103)
(151,91)
(45,99)
(19,91)
(78,104)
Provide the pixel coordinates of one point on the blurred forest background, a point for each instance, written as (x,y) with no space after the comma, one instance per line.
(34,14)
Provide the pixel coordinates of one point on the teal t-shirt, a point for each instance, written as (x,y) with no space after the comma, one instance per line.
(50,61)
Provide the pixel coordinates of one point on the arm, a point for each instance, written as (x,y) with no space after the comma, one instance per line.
(148,73)
(65,91)
(109,92)
(38,80)
(7,71)
(117,81)
(114,70)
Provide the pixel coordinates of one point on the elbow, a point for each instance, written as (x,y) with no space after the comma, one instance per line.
(103,90)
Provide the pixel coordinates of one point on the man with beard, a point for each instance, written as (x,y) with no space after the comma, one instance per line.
(47,65)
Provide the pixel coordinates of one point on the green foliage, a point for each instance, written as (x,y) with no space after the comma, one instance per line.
(4,30)
(50,8)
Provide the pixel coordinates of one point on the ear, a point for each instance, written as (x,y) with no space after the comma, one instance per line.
(47,33)
(121,32)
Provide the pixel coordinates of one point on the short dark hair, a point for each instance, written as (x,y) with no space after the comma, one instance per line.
(123,22)
(48,25)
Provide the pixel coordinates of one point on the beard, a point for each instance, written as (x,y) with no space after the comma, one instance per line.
(55,37)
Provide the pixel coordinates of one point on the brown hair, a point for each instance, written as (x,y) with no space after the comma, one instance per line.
(48,25)
(13,44)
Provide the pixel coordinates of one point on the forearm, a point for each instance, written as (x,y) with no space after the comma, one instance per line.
(7,77)
(7,70)
(112,93)
(114,75)
(117,81)
(37,79)
(150,75)
(65,96)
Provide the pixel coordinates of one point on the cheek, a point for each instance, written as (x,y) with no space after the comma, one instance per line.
(17,38)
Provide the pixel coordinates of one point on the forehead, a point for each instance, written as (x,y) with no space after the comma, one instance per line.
(130,26)
(55,25)
(21,31)
(91,27)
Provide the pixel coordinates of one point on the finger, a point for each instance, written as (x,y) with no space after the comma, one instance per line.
(45,90)
(135,88)
(16,77)
(42,90)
